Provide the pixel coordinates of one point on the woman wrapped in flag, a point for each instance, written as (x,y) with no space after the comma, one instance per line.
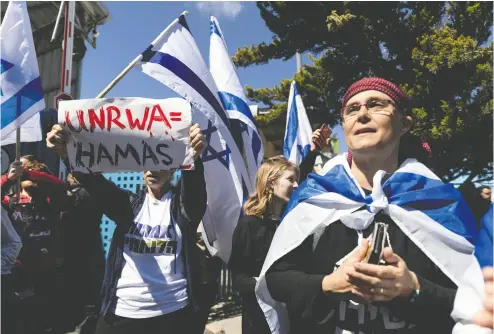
(377,244)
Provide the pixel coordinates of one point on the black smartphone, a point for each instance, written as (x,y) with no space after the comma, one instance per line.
(378,238)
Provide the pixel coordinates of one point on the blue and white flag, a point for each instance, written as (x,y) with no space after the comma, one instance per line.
(432,214)
(175,60)
(232,97)
(484,243)
(21,94)
(298,133)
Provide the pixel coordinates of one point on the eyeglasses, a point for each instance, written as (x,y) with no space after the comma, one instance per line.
(373,106)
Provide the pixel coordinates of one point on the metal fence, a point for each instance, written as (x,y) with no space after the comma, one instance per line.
(225,285)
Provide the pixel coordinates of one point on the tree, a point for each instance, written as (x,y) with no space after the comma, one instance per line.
(438,52)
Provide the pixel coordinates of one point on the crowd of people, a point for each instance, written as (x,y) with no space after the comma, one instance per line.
(55,278)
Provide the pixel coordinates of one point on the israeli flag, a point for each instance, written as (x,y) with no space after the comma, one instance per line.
(484,244)
(432,214)
(233,99)
(298,133)
(175,60)
(21,95)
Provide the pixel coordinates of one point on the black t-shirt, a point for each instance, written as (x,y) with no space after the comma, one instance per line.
(80,227)
(296,280)
(37,228)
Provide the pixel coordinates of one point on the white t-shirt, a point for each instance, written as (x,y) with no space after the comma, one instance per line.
(153,279)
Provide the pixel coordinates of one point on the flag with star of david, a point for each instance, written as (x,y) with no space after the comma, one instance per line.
(21,95)
(298,133)
(175,60)
(234,100)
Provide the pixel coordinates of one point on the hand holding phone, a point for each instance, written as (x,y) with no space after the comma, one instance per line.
(320,138)
(325,132)
(378,238)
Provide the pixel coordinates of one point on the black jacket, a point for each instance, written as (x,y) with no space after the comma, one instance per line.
(188,206)
(250,244)
(251,241)
(296,279)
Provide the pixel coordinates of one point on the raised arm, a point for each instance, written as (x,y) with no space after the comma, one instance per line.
(107,196)
(193,186)
(111,200)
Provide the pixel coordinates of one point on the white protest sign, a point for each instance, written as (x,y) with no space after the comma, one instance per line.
(127,134)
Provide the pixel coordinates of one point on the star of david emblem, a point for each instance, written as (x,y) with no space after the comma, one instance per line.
(303,152)
(210,153)
(4,67)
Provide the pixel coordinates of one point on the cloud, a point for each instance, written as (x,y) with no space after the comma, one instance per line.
(228,9)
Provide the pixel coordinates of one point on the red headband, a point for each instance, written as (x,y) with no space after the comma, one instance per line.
(381,85)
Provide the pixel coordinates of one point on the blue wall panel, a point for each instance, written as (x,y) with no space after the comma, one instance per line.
(128,181)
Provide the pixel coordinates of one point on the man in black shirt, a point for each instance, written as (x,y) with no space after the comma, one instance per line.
(84,263)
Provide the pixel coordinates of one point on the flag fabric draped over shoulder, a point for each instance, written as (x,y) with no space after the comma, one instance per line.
(21,94)
(298,133)
(432,214)
(484,243)
(232,97)
(175,60)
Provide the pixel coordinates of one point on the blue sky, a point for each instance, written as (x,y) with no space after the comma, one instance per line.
(134,25)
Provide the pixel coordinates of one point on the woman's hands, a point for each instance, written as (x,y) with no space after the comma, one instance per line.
(339,280)
(56,140)
(383,282)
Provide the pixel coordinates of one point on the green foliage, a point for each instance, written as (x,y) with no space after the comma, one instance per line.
(277,114)
(438,52)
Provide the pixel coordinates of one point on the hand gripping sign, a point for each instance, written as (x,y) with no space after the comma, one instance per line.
(126,134)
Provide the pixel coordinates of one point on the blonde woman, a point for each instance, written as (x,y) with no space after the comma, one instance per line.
(277,179)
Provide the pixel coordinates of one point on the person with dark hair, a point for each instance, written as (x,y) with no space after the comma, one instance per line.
(11,246)
(152,276)
(477,203)
(80,222)
(486,193)
(276,180)
(353,253)
(35,216)
(27,158)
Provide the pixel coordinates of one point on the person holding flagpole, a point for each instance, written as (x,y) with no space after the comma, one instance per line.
(378,244)
(299,146)
(152,277)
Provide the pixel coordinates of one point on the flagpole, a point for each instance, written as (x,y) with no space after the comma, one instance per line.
(299,61)
(137,59)
(18,158)
(60,10)
(67,56)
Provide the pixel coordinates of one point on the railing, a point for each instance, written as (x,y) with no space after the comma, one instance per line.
(225,285)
